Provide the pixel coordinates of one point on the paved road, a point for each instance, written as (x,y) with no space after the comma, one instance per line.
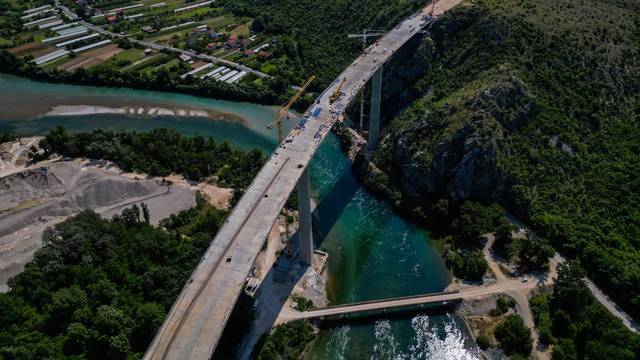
(502,285)
(467,293)
(72,16)
(612,307)
(195,323)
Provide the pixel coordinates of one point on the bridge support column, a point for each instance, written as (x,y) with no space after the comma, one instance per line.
(305,231)
(374,117)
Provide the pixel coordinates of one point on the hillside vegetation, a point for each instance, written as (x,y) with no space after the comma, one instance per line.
(313,34)
(532,104)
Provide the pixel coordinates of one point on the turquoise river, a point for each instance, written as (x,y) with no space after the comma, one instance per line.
(374,253)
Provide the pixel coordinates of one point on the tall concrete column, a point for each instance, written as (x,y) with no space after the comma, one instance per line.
(374,117)
(305,231)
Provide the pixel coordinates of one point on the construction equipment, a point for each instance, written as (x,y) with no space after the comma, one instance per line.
(284,109)
(366,33)
(336,94)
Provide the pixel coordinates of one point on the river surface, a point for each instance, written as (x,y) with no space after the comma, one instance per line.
(374,253)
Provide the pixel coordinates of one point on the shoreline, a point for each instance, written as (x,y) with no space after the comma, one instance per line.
(143,110)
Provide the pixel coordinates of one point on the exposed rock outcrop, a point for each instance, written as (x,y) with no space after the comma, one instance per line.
(452,152)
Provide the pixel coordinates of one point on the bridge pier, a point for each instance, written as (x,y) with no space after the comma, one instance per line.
(374,117)
(305,231)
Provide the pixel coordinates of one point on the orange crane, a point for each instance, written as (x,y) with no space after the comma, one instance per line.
(336,94)
(284,109)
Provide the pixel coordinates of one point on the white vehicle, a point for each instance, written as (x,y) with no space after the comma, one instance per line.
(524,279)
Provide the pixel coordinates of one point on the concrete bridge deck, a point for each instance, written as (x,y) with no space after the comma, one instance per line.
(197,319)
(507,286)
(379,305)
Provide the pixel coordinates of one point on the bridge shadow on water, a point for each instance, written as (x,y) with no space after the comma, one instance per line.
(331,206)
(273,295)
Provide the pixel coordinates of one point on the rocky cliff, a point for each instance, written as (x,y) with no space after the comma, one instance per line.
(436,153)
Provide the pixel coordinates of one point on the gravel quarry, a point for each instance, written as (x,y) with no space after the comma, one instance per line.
(39,197)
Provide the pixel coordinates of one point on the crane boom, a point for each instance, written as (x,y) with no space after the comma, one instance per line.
(284,109)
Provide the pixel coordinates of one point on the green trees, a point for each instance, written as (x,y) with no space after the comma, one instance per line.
(100,288)
(311,35)
(287,341)
(568,158)
(577,325)
(514,337)
(531,253)
(502,306)
(474,220)
(160,153)
(468,264)
(7,136)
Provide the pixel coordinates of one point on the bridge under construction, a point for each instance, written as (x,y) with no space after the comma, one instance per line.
(197,319)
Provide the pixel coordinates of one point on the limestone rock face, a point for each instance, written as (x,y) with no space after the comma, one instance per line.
(453,152)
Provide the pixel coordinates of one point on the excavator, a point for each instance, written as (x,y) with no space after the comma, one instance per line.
(284,109)
(336,94)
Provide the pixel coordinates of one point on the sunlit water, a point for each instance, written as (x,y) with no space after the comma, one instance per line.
(374,253)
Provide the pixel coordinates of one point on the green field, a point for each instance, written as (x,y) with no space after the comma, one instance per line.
(131,55)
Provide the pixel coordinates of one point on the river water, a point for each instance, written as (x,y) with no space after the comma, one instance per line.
(374,253)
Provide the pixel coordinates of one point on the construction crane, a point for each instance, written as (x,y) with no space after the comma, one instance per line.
(284,109)
(336,94)
(366,33)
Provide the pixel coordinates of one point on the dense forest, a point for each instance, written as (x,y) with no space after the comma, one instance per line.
(101,288)
(577,325)
(160,153)
(532,105)
(312,34)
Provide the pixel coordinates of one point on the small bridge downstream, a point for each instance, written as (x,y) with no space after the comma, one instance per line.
(374,305)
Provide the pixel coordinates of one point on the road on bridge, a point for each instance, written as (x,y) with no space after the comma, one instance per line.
(195,323)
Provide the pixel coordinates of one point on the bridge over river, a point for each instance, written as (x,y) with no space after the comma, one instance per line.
(197,319)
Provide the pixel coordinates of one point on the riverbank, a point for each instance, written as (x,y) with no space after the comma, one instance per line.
(100,76)
(141,110)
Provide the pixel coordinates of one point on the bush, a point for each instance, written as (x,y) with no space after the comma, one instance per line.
(514,337)
(304,304)
(470,265)
(502,306)
(286,342)
(483,342)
